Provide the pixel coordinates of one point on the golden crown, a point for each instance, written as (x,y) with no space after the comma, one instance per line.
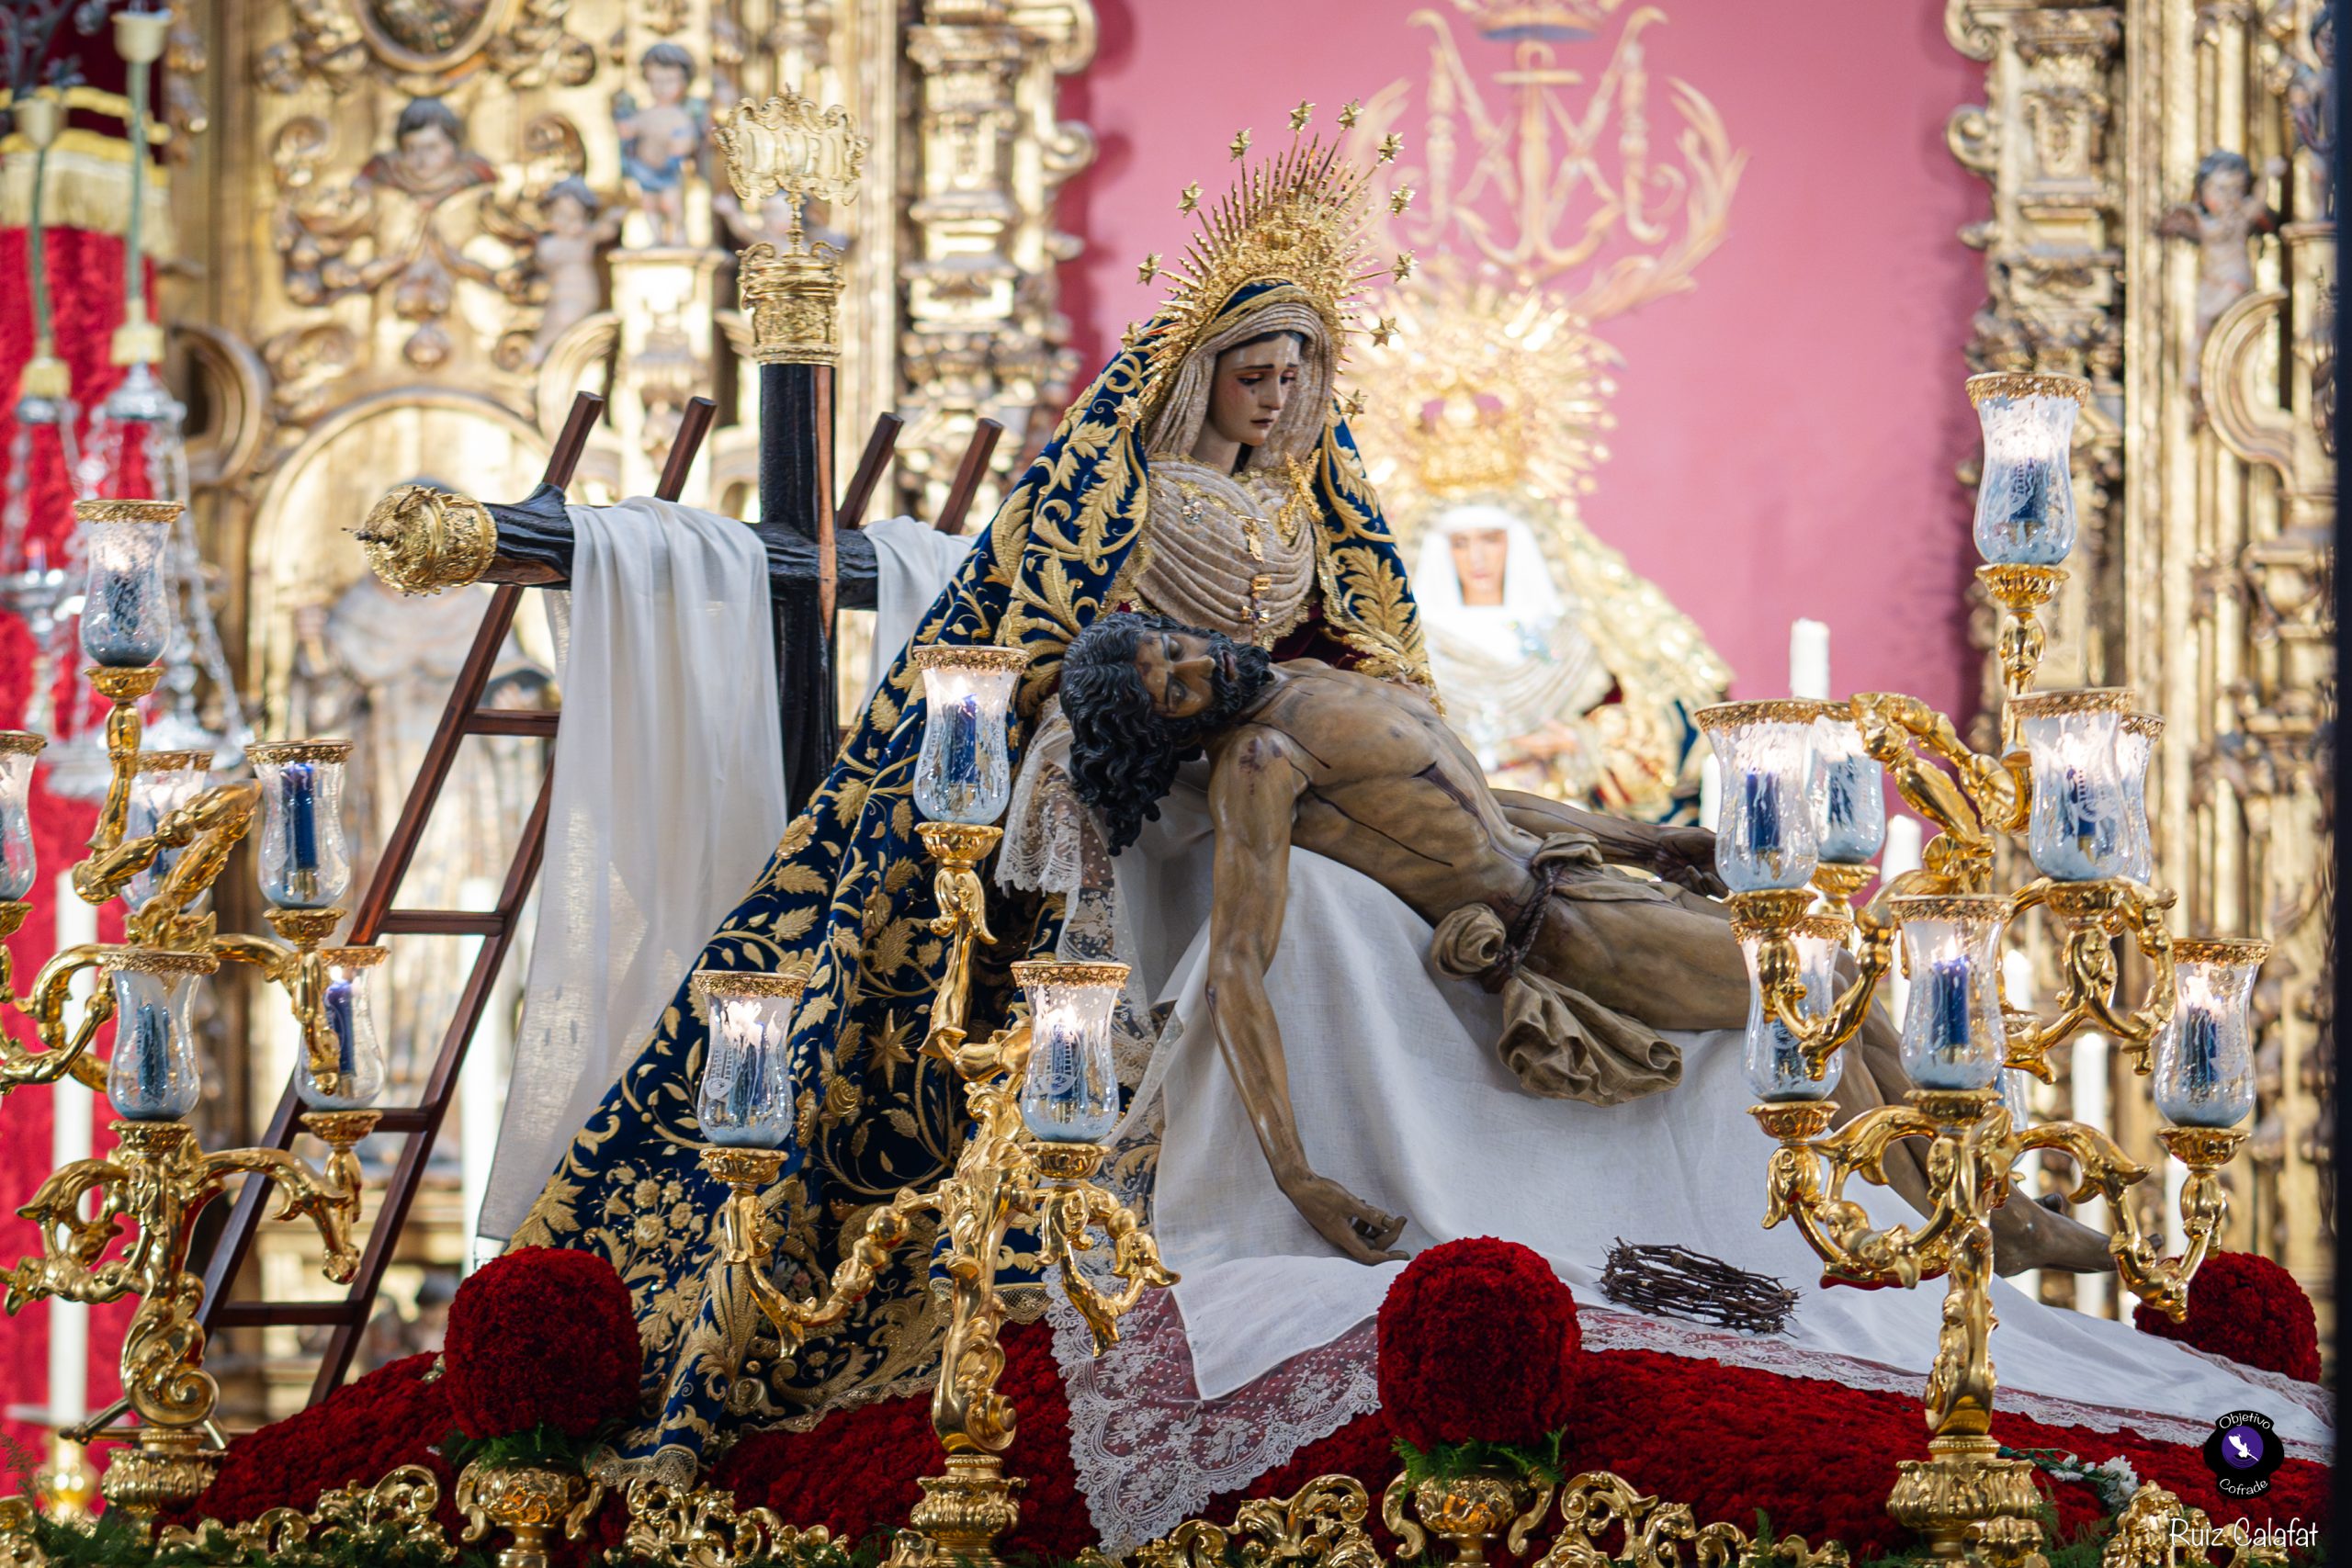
(1484,387)
(1301,218)
(1465,442)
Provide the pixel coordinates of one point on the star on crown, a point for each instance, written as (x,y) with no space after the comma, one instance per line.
(1300,217)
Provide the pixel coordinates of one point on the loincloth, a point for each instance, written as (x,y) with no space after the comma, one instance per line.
(1557,1041)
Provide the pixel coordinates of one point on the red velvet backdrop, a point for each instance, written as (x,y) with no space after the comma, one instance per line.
(85,291)
(1787,431)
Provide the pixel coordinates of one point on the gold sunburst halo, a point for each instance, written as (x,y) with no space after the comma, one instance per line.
(1299,217)
(1240,145)
(1190,199)
(1299,116)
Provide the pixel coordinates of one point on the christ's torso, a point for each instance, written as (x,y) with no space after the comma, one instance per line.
(1386,787)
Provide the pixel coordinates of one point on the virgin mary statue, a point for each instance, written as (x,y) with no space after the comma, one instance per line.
(1208,474)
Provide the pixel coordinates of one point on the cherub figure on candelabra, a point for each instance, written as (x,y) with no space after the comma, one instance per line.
(660,139)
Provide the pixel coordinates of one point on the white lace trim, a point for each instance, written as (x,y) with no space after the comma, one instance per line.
(1150,1453)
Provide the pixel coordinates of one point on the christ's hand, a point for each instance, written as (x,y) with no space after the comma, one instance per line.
(1685,857)
(1346,1221)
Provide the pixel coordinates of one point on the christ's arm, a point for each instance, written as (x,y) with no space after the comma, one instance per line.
(1678,854)
(1253,792)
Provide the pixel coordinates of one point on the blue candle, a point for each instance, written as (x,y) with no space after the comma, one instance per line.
(1760,810)
(1853,825)
(2201,1050)
(347,1036)
(150,1030)
(300,796)
(1948,1015)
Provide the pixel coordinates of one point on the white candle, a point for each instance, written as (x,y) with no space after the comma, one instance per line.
(2094,1293)
(72,1107)
(1904,844)
(1809,659)
(481,1087)
(1900,853)
(1710,793)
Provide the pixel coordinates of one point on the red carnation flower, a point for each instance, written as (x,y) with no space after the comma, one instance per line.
(542,1336)
(1478,1342)
(2242,1305)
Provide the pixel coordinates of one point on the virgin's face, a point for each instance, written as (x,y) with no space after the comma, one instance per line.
(1254,382)
(1479,555)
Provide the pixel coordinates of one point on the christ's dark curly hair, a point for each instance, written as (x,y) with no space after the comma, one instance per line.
(1123,756)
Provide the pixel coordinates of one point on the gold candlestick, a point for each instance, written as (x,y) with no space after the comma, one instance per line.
(159,1178)
(1003,1177)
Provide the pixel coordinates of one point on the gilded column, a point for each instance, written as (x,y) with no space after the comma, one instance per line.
(982,337)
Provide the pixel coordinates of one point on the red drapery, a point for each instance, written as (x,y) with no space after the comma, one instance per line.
(87,305)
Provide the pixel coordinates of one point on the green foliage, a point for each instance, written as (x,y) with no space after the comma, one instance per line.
(1451,1461)
(543,1446)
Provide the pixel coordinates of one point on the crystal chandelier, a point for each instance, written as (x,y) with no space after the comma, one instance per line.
(136,446)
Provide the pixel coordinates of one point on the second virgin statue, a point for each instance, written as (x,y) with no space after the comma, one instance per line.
(1207,473)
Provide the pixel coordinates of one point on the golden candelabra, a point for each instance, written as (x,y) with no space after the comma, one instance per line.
(157,1176)
(1803,780)
(1006,1175)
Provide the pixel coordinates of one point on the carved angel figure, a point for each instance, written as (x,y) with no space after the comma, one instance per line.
(660,139)
(2223,215)
(398,205)
(565,254)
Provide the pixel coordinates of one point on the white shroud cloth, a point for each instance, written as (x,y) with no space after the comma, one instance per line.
(1400,1096)
(913,562)
(668,800)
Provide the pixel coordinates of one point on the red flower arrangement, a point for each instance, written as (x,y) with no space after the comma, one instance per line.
(542,1338)
(1818,1457)
(1478,1344)
(356,1436)
(2242,1305)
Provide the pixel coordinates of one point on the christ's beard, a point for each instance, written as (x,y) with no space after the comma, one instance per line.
(1253,671)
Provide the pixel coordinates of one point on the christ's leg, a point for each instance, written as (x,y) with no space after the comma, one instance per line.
(1675,965)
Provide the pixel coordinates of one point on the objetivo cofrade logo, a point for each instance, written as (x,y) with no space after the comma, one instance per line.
(2242,1453)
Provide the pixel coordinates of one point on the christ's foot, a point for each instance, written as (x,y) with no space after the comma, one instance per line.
(2031,1236)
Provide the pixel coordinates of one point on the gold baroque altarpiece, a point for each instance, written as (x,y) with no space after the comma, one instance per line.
(2159,225)
(417,228)
(410,231)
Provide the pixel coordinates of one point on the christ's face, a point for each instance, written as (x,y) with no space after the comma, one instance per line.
(1254,383)
(428,154)
(1182,671)
(1479,556)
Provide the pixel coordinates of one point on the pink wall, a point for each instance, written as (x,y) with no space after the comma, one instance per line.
(1787,431)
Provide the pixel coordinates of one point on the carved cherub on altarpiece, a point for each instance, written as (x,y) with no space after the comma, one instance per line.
(395,224)
(659,141)
(2223,214)
(575,229)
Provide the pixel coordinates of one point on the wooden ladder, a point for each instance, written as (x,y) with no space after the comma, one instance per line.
(464,716)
